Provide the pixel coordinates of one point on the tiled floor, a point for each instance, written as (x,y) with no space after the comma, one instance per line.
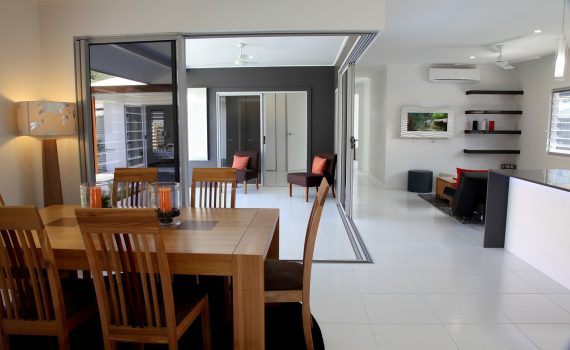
(432,286)
(332,240)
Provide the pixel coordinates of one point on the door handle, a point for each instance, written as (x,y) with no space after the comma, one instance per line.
(290,133)
(352,142)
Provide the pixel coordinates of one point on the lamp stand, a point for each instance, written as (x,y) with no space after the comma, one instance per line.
(51,176)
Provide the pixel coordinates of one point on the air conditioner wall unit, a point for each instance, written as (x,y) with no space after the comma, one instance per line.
(460,75)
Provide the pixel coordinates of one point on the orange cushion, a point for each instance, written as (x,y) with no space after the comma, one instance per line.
(240,162)
(461,171)
(319,166)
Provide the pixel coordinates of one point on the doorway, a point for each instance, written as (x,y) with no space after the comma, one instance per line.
(273,123)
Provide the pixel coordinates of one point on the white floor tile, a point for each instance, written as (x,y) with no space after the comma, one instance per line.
(424,262)
(338,308)
(489,337)
(444,282)
(348,336)
(541,282)
(530,308)
(412,336)
(334,282)
(562,300)
(465,308)
(384,282)
(503,282)
(548,336)
(398,308)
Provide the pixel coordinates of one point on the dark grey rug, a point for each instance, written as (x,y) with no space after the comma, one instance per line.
(443,206)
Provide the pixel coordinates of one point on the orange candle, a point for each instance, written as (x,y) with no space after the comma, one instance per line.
(95,197)
(165,199)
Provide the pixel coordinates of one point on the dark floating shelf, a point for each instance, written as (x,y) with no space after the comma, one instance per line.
(492,151)
(494,92)
(492,112)
(514,132)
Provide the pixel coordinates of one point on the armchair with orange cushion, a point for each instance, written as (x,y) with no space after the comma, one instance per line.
(246,164)
(324,166)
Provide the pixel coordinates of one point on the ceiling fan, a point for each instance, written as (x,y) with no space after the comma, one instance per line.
(501,62)
(243,59)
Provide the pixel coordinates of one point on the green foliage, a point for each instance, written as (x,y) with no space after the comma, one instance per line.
(427,121)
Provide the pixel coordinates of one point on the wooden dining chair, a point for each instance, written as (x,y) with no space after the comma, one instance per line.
(35,300)
(137,300)
(210,188)
(290,282)
(131,186)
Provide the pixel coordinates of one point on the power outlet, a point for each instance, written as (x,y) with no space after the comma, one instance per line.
(508,166)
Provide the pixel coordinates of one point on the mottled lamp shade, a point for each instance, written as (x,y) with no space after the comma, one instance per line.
(46,118)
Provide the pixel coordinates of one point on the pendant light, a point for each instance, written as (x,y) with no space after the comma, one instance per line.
(560,63)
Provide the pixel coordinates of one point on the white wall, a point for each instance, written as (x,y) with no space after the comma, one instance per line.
(363,90)
(407,86)
(537,82)
(60,21)
(374,140)
(20,78)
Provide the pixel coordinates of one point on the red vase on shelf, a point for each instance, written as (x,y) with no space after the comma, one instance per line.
(491,125)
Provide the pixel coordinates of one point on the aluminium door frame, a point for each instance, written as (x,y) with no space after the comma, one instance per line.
(345,103)
(263,123)
(83,100)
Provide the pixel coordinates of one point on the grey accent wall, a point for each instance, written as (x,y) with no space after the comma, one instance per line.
(317,81)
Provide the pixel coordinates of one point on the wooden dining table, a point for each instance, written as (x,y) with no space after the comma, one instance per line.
(215,242)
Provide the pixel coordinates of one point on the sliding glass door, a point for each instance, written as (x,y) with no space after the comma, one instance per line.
(346,142)
(128,108)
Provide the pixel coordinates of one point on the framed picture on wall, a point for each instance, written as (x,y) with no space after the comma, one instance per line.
(426,122)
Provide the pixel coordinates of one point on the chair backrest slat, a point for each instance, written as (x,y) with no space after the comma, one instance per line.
(311,236)
(212,185)
(29,282)
(126,246)
(1,200)
(131,186)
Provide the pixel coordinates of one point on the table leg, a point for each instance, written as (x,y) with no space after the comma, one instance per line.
(249,302)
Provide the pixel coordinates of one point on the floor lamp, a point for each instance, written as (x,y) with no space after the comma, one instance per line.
(48,119)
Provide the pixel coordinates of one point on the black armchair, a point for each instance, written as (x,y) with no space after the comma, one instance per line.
(470,197)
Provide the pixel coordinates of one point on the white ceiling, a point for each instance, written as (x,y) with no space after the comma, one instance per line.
(276,51)
(449,31)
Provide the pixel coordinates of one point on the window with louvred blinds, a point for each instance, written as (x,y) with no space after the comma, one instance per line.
(559,132)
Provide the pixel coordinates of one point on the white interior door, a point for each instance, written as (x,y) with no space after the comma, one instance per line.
(296,131)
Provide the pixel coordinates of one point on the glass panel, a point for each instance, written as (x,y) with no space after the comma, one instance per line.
(135,123)
(239,126)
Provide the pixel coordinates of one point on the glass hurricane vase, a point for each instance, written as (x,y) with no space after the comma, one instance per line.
(165,197)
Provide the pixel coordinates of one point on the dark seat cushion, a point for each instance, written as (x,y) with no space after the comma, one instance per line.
(304,179)
(245,174)
(283,275)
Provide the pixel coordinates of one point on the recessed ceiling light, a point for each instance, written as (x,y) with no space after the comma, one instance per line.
(537,31)
(472,57)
